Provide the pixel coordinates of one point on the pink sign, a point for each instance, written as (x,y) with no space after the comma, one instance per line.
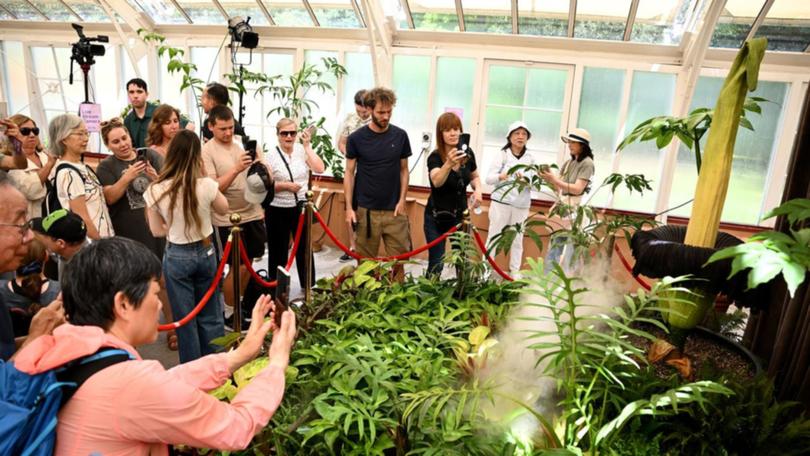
(457,111)
(91,114)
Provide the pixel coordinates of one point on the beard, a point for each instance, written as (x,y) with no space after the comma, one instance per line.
(382,124)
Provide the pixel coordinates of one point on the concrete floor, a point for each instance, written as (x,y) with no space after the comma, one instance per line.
(327,264)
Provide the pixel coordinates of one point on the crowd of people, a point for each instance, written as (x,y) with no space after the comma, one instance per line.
(93,257)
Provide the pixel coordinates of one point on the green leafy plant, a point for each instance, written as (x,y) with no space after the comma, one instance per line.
(293,97)
(771,253)
(690,129)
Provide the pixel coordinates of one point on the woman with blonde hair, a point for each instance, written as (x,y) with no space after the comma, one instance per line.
(31,180)
(164,126)
(291,162)
(77,185)
(179,205)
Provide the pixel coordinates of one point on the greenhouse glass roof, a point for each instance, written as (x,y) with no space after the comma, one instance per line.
(786,23)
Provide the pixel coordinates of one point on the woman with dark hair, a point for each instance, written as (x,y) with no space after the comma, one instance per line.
(450,170)
(179,205)
(570,184)
(510,206)
(162,128)
(31,180)
(136,406)
(29,290)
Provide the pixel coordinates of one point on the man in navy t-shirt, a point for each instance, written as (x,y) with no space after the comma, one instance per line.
(375,195)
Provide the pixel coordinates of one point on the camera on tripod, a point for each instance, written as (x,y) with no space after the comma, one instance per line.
(84,50)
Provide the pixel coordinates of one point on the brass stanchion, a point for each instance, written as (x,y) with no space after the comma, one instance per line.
(461,269)
(308,220)
(236,234)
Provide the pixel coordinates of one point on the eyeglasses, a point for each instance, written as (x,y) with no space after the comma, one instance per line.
(24,228)
(83,133)
(288,133)
(27,131)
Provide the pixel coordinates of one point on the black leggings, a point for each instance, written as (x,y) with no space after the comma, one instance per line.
(281,223)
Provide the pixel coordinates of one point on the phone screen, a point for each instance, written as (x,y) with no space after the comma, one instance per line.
(251,148)
(141,153)
(463,142)
(282,293)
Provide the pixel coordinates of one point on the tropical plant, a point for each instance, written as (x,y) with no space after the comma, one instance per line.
(770,253)
(293,97)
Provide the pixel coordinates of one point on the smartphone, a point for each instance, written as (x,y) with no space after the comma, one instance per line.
(312,130)
(463,142)
(281,294)
(141,154)
(250,148)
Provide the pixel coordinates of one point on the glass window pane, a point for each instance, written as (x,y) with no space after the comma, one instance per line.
(601,20)
(169,85)
(547,18)
(490,16)
(546,88)
(735,23)
(753,153)
(202,12)
(89,10)
(162,12)
(661,21)
(434,14)
(326,101)
(651,94)
(15,75)
(207,61)
(507,85)
(22,10)
(360,75)
(599,107)
(55,11)
(455,77)
(245,9)
(787,26)
(335,13)
(105,81)
(290,13)
(411,78)
(545,128)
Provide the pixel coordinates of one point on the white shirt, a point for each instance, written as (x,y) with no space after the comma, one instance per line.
(27,181)
(297,162)
(504,192)
(180,230)
(77,181)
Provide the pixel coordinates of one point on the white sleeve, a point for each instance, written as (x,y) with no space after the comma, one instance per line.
(27,181)
(491,178)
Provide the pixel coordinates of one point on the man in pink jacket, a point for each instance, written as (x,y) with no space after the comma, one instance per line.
(110,293)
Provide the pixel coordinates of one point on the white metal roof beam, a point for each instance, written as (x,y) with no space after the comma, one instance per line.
(13,16)
(221,10)
(515,25)
(39,11)
(572,15)
(72,11)
(266,12)
(760,19)
(181,11)
(311,13)
(460,14)
(408,16)
(135,53)
(360,19)
(631,20)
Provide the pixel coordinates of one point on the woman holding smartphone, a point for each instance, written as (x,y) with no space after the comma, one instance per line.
(451,168)
(291,162)
(179,205)
(31,180)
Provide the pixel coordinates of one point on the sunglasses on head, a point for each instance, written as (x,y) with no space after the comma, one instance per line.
(27,131)
(288,133)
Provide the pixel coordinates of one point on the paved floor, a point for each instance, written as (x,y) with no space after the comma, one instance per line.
(327,264)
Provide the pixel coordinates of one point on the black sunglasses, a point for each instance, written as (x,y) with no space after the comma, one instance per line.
(287,133)
(27,131)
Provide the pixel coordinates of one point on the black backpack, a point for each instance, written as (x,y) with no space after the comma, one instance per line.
(51,202)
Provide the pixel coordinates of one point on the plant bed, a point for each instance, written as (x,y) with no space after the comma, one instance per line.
(712,355)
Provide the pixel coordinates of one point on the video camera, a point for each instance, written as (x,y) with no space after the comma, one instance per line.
(84,50)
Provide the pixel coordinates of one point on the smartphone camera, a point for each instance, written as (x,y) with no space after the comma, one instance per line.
(464,143)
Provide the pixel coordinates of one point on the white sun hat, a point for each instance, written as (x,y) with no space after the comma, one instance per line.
(579,135)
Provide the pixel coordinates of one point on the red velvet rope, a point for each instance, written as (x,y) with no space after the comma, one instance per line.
(211,290)
(249,264)
(403,256)
(630,269)
(483,248)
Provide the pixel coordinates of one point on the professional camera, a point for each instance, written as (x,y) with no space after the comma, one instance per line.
(84,51)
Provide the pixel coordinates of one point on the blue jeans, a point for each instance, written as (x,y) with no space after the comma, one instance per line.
(189,270)
(435,253)
(555,252)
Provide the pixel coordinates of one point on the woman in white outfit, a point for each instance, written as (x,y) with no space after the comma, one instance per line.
(510,206)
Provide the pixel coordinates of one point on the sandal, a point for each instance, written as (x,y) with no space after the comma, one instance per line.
(171,340)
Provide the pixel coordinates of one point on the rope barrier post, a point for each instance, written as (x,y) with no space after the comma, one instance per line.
(308,248)
(461,269)
(236,233)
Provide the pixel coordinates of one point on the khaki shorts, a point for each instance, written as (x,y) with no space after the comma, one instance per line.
(375,224)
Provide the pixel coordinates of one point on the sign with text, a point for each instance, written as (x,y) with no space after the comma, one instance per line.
(91,114)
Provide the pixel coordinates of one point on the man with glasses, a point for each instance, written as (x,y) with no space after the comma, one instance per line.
(15,235)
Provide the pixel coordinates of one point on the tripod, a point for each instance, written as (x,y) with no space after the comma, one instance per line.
(85,66)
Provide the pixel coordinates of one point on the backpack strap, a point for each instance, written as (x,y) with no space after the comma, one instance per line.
(77,372)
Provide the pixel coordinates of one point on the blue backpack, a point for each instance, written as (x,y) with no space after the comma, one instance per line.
(29,403)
